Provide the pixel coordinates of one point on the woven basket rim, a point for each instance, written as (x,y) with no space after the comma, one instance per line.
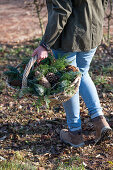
(77,79)
(8,85)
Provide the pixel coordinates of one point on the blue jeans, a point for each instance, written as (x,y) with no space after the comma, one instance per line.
(87,89)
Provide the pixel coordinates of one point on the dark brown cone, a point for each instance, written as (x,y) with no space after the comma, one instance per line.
(16,83)
(52,78)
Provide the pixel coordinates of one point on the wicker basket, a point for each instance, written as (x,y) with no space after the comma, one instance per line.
(56,98)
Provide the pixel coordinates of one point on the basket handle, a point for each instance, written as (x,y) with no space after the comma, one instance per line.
(27,71)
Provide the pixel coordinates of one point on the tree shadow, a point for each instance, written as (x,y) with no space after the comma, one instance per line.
(40,137)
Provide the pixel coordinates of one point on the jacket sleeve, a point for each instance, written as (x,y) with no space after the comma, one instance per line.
(57,19)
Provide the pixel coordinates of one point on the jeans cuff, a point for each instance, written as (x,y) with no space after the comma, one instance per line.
(76,132)
(96,115)
(74,129)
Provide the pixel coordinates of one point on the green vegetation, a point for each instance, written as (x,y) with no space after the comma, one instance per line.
(16,165)
(41,81)
(73,163)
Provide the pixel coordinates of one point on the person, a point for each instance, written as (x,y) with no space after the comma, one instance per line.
(74,29)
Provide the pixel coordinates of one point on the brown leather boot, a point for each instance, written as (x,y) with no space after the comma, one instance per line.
(103,130)
(72,138)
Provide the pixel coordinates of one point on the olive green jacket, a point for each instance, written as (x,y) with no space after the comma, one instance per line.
(74,25)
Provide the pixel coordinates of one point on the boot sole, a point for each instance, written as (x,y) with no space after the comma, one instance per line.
(106,133)
(76,146)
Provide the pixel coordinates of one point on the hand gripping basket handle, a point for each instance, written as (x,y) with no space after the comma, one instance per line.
(27,71)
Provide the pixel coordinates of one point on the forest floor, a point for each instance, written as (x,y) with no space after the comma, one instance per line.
(19,22)
(29,138)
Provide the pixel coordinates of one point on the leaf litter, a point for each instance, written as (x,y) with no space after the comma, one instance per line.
(29,135)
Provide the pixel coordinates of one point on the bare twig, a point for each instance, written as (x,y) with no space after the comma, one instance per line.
(37,5)
(109,17)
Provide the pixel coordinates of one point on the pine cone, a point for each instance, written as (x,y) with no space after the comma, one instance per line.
(24,66)
(43,80)
(37,73)
(16,83)
(72,68)
(52,78)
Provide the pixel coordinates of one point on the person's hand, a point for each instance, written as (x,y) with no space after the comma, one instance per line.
(41,52)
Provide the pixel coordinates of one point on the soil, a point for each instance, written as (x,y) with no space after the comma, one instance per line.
(18,22)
